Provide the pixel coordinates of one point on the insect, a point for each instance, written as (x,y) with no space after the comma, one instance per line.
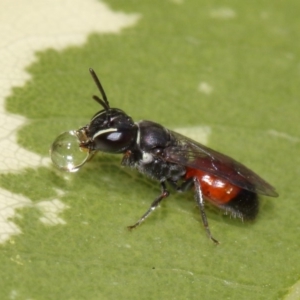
(176,160)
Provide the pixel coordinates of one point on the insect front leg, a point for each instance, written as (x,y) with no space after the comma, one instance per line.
(200,202)
(164,194)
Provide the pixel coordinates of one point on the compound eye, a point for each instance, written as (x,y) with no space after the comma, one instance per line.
(114,136)
(113,140)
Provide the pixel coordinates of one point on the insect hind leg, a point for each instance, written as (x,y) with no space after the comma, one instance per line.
(155,203)
(200,202)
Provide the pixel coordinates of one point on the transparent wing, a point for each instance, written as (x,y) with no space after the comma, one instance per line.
(197,156)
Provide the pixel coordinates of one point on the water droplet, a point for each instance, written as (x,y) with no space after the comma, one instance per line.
(66,152)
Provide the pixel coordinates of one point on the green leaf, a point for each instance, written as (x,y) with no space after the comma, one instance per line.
(233,68)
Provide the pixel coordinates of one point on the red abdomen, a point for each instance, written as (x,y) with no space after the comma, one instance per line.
(218,190)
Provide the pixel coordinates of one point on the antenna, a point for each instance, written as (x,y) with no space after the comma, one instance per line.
(103,102)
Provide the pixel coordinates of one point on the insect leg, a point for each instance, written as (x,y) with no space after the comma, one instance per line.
(186,185)
(183,187)
(200,202)
(164,194)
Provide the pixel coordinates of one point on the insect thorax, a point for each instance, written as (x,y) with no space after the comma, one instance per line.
(146,156)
